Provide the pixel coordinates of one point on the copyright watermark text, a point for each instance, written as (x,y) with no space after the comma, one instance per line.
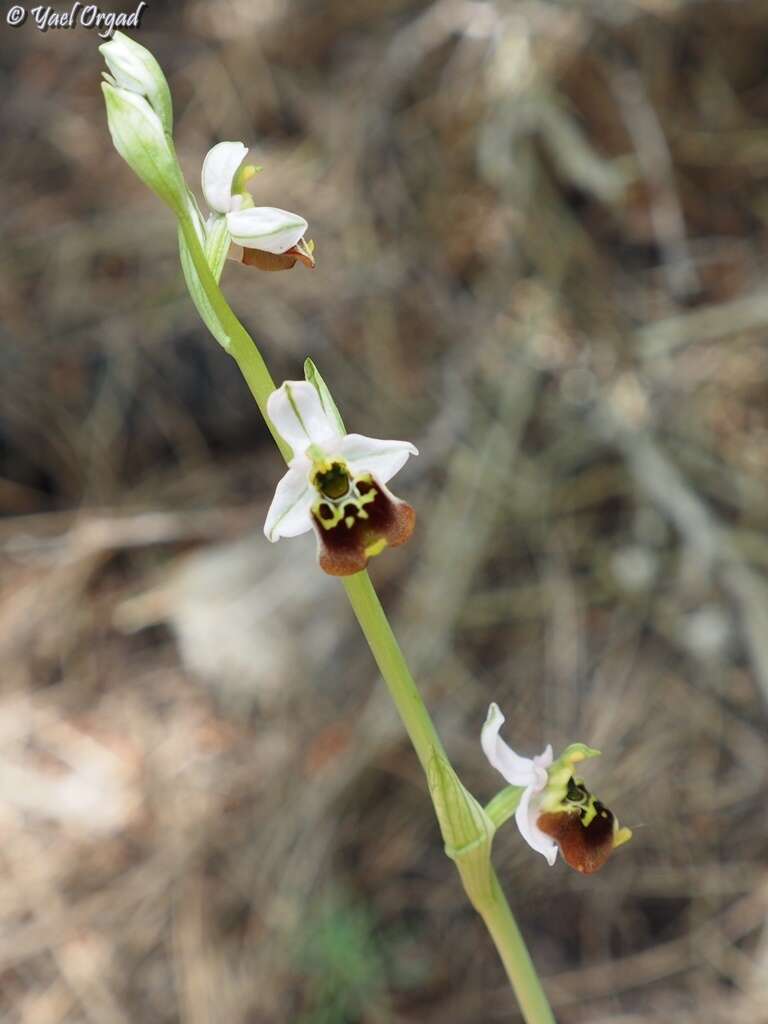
(79,14)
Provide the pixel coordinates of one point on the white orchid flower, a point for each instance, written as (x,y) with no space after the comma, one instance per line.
(521,771)
(556,810)
(335,484)
(271,238)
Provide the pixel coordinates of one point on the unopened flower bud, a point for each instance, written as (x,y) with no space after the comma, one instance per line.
(135,69)
(140,139)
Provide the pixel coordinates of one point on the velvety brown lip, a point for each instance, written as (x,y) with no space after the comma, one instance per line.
(584,847)
(345,550)
(271,261)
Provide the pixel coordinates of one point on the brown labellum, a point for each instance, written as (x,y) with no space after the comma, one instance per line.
(271,261)
(345,548)
(584,847)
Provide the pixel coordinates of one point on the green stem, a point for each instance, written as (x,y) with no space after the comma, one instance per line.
(242,348)
(494,911)
(514,954)
(374,623)
(393,667)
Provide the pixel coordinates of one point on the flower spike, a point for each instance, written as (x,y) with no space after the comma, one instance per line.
(335,484)
(555,809)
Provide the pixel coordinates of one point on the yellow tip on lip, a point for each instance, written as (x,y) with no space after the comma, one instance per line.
(376,548)
(622,836)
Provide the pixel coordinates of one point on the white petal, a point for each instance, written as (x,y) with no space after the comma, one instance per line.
(545,758)
(219,170)
(518,771)
(289,513)
(382,458)
(297,413)
(526,816)
(266,228)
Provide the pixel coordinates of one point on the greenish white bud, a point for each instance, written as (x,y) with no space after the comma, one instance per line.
(140,139)
(466,828)
(134,68)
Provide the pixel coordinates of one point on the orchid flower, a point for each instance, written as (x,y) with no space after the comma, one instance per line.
(271,239)
(335,484)
(555,810)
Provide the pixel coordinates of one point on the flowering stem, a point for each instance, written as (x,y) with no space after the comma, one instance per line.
(514,954)
(494,910)
(393,667)
(373,621)
(241,346)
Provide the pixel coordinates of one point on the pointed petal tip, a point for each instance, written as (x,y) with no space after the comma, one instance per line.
(493,711)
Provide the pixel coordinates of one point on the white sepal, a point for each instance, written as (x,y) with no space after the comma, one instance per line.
(298,415)
(517,770)
(266,227)
(525,816)
(381,458)
(531,773)
(219,169)
(289,513)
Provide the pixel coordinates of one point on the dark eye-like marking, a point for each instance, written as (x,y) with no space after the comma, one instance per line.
(576,793)
(334,482)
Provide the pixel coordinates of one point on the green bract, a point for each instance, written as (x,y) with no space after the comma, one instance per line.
(466,828)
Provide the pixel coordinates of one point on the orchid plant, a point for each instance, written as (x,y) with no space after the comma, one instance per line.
(336,485)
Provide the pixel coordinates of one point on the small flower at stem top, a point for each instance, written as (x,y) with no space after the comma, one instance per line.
(269,238)
(335,484)
(556,810)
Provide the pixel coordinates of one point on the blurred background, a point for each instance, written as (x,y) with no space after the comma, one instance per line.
(542,230)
